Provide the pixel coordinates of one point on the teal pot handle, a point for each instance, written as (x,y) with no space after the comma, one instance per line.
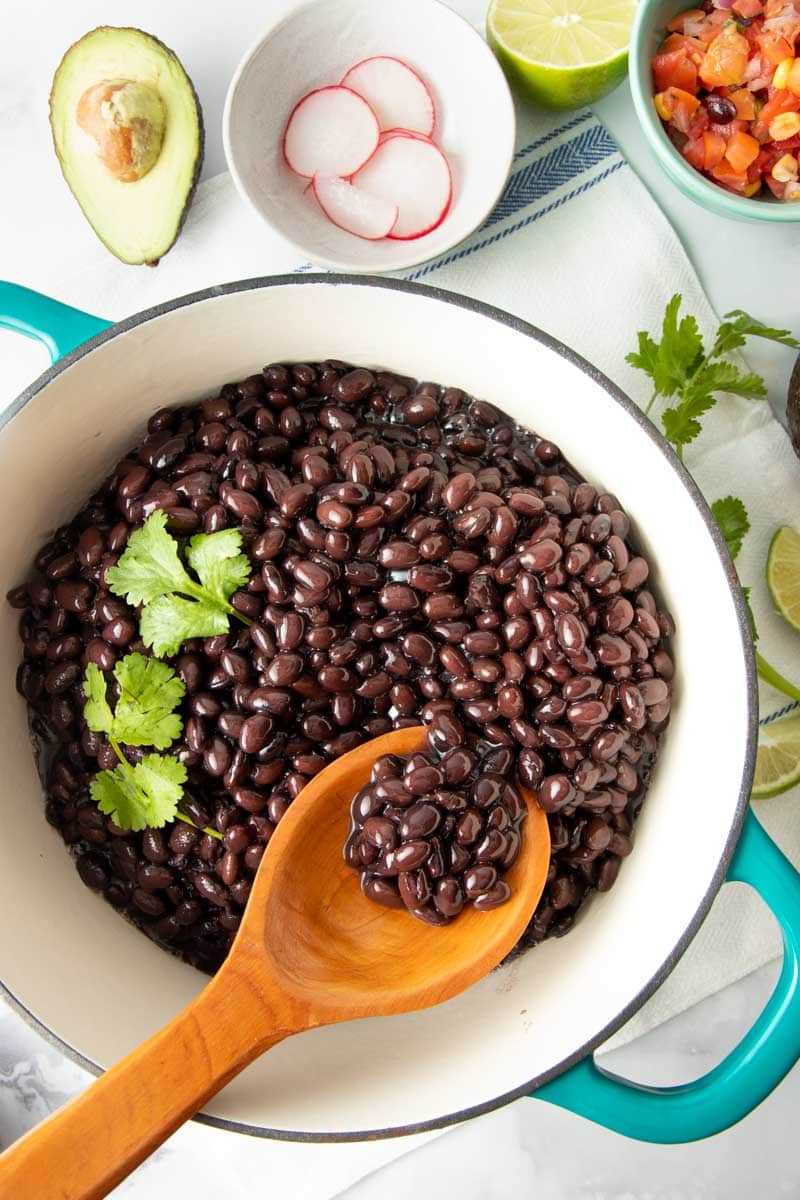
(750,1072)
(56,325)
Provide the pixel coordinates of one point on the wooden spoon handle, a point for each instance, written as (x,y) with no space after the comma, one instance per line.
(86,1148)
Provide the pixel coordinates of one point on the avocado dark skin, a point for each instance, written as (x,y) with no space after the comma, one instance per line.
(129,136)
(198,167)
(793,407)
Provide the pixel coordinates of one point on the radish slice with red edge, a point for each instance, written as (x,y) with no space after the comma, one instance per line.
(331,131)
(353,209)
(412,172)
(395,92)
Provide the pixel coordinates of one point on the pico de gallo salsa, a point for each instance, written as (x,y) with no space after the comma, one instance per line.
(727,88)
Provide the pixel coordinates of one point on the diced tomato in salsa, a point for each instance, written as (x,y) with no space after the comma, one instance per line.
(725,174)
(748,8)
(744,101)
(692,16)
(776,49)
(742,151)
(714,146)
(675,70)
(721,78)
(677,106)
(679,41)
(726,58)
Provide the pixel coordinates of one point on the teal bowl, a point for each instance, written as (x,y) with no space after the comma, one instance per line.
(649,25)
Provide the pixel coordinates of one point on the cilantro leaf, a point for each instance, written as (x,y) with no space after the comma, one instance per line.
(218,561)
(176,606)
(681,424)
(170,620)
(145,794)
(161,777)
(739,325)
(115,795)
(647,356)
(751,618)
(723,377)
(680,351)
(142,796)
(731,516)
(149,692)
(96,711)
(150,566)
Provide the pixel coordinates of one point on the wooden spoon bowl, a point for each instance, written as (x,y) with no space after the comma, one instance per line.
(330,947)
(311,950)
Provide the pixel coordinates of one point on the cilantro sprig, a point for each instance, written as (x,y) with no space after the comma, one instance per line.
(679,367)
(734,522)
(145,794)
(176,606)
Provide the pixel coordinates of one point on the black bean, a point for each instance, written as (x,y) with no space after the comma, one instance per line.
(383,891)
(381,832)
(720,109)
(448,896)
(493,897)
(424,779)
(211,890)
(61,677)
(92,870)
(419,821)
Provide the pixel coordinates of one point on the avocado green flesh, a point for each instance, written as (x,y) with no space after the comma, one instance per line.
(138,221)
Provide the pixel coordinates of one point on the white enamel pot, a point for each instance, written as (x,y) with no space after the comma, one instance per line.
(97,987)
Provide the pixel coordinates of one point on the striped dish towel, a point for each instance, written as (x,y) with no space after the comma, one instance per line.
(577,246)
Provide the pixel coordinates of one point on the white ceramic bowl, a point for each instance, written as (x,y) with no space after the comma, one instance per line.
(315,45)
(100,986)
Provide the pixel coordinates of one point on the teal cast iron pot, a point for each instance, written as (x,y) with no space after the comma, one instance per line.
(94,985)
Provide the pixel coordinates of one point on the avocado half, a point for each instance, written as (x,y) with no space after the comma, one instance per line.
(147,113)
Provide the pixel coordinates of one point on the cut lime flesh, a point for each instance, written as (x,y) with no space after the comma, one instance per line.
(562,53)
(783,574)
(778,759)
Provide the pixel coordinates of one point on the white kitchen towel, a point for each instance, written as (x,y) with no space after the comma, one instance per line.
(577,246)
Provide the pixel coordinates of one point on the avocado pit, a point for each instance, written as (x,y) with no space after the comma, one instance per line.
(126,119)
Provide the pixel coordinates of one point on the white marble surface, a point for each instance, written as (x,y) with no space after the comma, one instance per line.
(529,1146)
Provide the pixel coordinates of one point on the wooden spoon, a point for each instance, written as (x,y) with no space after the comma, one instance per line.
(311,950)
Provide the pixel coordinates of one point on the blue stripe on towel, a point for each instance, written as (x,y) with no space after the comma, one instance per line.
(553,170)
(504,233)
(782,712)
(554,133)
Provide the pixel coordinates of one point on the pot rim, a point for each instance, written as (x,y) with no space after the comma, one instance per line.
(525,328)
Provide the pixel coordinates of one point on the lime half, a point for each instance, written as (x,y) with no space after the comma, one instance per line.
(778,758)
(783,574)
(562,53)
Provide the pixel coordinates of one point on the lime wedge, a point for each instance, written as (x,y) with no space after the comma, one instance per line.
(783,574)
(562,53)
(778,758)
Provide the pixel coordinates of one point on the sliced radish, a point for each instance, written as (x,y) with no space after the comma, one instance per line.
(395,92)
(353,209)
(413,173)
(332,131)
